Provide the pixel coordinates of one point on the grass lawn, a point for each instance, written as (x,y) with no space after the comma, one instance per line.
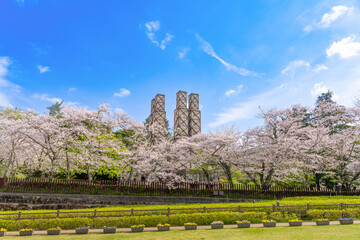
(347,232)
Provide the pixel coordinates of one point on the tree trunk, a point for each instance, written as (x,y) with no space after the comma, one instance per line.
(307,180)
(227,172)
(130,174)
(89,173)
(51,170)
(266,182)
(68,175)
(317,180)
(5,172)
(207,175)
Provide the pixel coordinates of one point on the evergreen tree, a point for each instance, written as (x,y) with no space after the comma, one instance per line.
(325,97)
(55,109)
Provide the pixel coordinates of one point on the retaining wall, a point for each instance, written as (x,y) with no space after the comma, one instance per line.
(25,201)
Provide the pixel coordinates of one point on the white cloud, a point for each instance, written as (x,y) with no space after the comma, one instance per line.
(71,103)
(165,41)
(308,28)
(151,28)
(53,100)
(43,69)
(230,92)
(246,110)
(328,18)
(209,50)
(183,52)
(341,77)
(318,89)
(72,89)
(335,13)
(320,67)
(235,91)
(152,38)
(5,62)
(4,101)
(293,66)
(345,48)
(122,93)
(45,97)
(119,110)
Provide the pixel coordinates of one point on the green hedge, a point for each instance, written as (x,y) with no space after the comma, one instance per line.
(334,214)
(149,221)
(174,220)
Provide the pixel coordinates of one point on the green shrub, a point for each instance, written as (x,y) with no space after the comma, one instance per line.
(334,214)
(281,217)
(125,222)
(179,219)
(173,220)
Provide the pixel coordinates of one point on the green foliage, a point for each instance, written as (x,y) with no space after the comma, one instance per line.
(15,112)
(334,214)
(281,217)
(106,173)
(44,224)
(324,97)
(55,109)
(125,222)
(178,218)
(124,136)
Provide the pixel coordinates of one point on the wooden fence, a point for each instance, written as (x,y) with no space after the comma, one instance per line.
(161,189)
(298,209)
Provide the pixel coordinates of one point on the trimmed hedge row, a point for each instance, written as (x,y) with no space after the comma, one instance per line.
(334,214)
(174,220)
(149,221)
(90,214)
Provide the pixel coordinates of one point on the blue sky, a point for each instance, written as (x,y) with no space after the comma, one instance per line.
(238,55)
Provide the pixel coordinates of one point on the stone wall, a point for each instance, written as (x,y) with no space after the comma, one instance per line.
(24,201)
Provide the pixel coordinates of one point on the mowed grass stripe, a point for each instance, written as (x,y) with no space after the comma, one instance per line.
(330,232)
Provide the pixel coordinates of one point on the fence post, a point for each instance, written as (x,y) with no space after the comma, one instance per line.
(342,206)
(239,209)
(168,213)
(2,183)
(132,212)
(274,208)
(308,206)
(204,209)
(19,216)
(58,213)
(95,213)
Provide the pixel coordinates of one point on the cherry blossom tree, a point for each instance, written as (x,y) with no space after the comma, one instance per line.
(221,148)
(269,151)
(14,149)
(296,144)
